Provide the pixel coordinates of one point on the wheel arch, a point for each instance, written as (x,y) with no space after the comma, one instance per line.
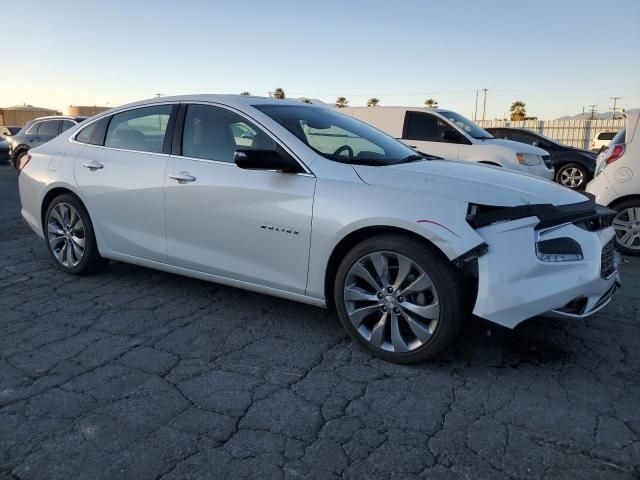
(48,198)
(352,239)
(626,198)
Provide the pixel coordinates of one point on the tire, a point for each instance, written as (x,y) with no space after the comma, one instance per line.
(426,319)
(67,235)
(573,176)
(627,226)
(17,156)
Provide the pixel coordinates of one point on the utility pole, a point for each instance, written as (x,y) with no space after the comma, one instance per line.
(484,107)
(615,100)
(593,110)
(582,113)
(475,112)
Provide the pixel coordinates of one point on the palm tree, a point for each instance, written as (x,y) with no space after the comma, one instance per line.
(246,93)
(306,100)
(373,102)
(431,103)
(277,93)
(341,102)
(518,110)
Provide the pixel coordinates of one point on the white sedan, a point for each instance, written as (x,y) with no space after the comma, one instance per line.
(308,204)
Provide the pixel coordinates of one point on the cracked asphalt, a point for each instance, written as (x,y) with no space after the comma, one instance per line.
(133,373)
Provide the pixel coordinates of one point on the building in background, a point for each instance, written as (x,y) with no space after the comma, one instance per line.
(20,114)
(85,111)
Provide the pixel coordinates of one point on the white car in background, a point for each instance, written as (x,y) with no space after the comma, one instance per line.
(601,139)
(447,134)
(617,183)
(311,205)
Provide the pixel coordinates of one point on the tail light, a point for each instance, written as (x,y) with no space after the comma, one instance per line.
(22,161)
(616,153)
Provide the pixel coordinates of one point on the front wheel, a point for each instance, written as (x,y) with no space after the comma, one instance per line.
(70,238)
(573,176)
(626,223)
(399,298)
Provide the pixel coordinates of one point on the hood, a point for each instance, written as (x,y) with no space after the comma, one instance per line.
(517,147)
(469,182)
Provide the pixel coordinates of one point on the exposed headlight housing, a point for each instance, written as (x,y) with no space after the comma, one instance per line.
(562,249)
(528,159)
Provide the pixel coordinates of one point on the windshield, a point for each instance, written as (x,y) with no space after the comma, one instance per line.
(339,137)
(467,125)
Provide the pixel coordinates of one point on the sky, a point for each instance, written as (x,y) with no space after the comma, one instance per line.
(556,56)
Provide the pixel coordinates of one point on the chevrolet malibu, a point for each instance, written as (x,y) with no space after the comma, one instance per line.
(308,204)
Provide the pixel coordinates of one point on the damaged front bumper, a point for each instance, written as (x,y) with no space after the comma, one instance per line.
(514,284)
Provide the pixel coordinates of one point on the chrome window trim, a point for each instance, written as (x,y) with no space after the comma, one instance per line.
(71,138)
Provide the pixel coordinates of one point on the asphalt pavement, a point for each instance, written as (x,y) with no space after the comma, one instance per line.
(134,373)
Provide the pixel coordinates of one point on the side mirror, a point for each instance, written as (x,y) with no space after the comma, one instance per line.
(451,136)
(265,160)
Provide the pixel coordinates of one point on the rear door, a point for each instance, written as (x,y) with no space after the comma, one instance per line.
(121,176)
(425,131)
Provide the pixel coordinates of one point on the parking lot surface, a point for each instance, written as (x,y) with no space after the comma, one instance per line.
(133,373)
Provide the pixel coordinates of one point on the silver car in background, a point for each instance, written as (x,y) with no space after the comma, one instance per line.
(311,205)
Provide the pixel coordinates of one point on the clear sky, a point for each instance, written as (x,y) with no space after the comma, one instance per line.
(556,56)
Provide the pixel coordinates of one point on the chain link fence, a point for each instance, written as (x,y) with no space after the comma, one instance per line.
(577,133)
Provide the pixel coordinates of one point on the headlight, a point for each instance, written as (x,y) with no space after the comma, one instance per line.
(563,249)
(528,159)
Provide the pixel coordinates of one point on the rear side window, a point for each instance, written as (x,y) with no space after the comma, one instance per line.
(142,129)
(423,126)
(66,125)
(85,134)
(49,128)
(606,135)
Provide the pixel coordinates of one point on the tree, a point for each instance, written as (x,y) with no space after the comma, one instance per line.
(373,102)
(306,100)
(342,102)
(277,93)
(431,103)
(518,110)
(246,93)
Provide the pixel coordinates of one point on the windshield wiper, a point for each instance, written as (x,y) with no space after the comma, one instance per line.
(414,158)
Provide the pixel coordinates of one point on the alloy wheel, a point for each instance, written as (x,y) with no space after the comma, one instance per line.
(391,301)
(627,226)
(66,235)
(572,177)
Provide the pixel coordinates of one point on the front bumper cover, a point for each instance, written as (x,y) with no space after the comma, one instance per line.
(514,285)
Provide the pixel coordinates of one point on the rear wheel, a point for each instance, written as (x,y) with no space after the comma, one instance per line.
(399,298)
(70,237)
(627,226)
(573,176)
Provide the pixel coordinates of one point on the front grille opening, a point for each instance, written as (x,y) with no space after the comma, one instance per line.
(576,306)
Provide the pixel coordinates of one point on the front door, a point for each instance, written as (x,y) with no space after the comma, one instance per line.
(122,182)
(247,225)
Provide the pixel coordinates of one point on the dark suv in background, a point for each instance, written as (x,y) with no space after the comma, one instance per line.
(574,167)
(36,132)
(4,143)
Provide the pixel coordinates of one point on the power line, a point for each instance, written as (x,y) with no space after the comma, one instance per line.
(615,100)
(484,106)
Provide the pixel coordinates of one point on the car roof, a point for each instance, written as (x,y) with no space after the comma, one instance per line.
(231,100)
(60,117)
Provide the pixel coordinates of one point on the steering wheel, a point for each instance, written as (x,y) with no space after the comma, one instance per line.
(344,148)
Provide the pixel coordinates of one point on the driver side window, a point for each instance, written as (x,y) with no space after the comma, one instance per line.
(213,133)
(425,127)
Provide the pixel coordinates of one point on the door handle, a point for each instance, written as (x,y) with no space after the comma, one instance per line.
(93,165)
(183,177)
